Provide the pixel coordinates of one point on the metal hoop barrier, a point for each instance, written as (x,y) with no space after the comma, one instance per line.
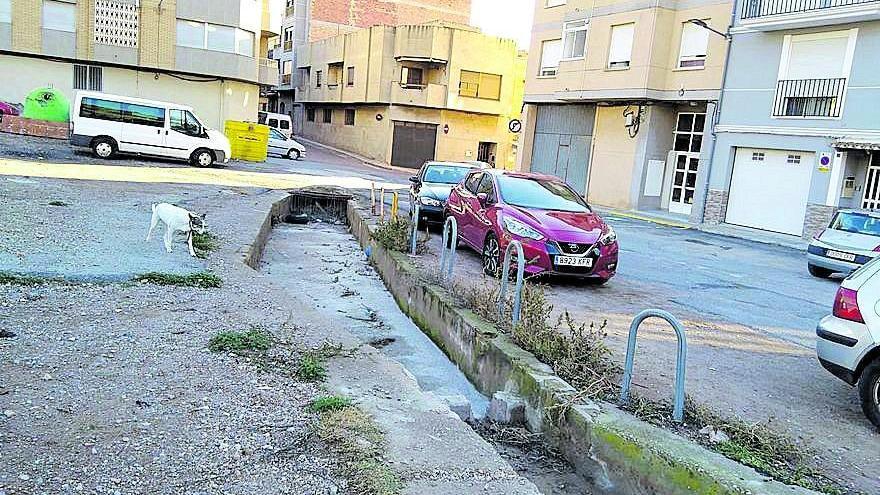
(680,363)
(447,255)
(415,230)
(505,280)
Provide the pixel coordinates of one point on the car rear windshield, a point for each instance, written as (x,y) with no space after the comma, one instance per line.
(444,174)
(857,223)
(540,194)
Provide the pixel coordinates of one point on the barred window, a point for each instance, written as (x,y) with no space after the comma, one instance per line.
(88,77)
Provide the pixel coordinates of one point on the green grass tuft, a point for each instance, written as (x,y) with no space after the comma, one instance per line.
(9,278)
(329,403)
(311,368)
(204,244)
(253,340)
(202,280)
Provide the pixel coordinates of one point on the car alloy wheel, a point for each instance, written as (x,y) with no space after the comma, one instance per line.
(491,252)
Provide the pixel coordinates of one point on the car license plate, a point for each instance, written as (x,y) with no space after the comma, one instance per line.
(840,256)
(572,261)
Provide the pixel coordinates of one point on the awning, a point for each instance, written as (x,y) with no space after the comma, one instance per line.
(848,143)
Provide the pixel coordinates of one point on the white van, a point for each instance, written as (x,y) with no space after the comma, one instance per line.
(110,124)
(277,121)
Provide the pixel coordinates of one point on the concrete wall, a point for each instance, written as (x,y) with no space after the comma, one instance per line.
(613,160)
(369,137)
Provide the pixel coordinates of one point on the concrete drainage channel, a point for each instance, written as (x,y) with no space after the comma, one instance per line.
(612,451)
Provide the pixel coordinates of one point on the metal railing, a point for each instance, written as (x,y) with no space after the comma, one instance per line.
(809,97)
(754,9)
(505,280)
(450,244)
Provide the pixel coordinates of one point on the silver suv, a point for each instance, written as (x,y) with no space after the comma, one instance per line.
(848,343)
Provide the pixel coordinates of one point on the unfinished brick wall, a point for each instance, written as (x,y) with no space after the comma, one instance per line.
(31,127)
(332,17)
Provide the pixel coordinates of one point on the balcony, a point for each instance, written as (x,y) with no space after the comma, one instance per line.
(426,95)
(271,18)
(771,15)
(809,98)
(268,72)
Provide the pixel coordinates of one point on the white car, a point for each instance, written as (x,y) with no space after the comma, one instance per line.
(851,240)
(281,145)
(111,124)
(848,343)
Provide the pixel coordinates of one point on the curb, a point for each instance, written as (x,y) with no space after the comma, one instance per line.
(621,453)
(642,217)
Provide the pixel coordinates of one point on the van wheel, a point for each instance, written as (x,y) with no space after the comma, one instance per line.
(202,158)
(104,147)
(818,271)
(293,154)
(869,392)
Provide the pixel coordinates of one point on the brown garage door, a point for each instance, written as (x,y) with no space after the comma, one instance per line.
(413,144)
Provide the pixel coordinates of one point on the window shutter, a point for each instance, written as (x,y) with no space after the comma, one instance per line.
(817,58)
(694,41)
(621,45)
(551,54)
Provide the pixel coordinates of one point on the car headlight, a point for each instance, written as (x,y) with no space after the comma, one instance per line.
(608,237)
(425,200)
(518,228)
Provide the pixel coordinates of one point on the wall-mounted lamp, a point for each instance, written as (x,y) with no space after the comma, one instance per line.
(703,24)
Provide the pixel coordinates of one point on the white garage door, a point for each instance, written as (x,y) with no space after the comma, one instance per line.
(769,189)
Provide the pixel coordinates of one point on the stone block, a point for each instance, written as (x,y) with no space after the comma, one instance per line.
(507,408)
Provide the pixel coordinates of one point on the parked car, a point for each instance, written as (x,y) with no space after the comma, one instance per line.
(277,121)
(431,186)
(848,343)
(281,145)
(110,124)
(8,109)
(851,240)
(559,232)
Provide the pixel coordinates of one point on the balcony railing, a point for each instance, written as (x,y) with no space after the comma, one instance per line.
(753,9)
(809,97)
(268,72)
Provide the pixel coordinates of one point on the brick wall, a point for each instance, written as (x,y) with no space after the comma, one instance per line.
(716,207)
(31,127)
(331,17)
(817,218)
(26,33)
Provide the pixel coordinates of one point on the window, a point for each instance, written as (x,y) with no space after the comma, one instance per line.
(60,16)
(574,35)
(694,42)
(689,132)
(284,124)
(328,115)
(143,115)
(349,116)
(277,135)
(487,187)
(793,159)
(757,156)
(310,114)
(116,23)
(319,77)
(88,77)
(553,3)
(334,75)
(813,74)
(479,85)
(473,181)
(5,11)
(817,57)
(411,77)
(94,108)
(184,122)
(272,123)
(349,77)
(191,34)
(620,52)
(288,39)
(551,53)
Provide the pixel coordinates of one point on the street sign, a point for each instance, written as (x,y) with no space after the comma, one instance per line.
(515,125)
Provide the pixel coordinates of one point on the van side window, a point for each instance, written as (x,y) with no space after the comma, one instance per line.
(93,108)
(285,124)
(185,122)
(143,115)
(273,123)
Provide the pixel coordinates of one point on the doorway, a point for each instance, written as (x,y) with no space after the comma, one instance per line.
(686,165)
(486,152)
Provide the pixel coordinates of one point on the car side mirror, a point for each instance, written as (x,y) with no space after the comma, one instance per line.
(483,198)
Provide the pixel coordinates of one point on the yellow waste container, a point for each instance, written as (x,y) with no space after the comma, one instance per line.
(248,141)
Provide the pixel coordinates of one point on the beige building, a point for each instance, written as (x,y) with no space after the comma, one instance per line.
(406,94)
(209,55)
(620,96)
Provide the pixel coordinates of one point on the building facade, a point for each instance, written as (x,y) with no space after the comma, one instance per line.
(208,55)
(403,95)
(315,20)
(799,134)
(620,97)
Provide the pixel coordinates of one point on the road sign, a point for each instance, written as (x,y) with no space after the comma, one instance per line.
(515,125)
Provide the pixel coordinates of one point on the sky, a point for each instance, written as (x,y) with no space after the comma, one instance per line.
(505,18)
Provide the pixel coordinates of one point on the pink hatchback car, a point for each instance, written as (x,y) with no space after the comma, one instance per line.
(560,233)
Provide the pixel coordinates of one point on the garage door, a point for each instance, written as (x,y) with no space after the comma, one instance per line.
(769,189)
(413,144)
(562,143)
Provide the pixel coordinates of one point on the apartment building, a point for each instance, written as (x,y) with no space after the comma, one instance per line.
(315,20)
(203,54)
(620,97)
(799,134)
(403,95)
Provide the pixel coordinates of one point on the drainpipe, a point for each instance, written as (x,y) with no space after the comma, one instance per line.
(716,117)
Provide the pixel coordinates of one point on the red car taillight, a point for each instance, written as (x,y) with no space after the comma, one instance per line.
(846,305)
